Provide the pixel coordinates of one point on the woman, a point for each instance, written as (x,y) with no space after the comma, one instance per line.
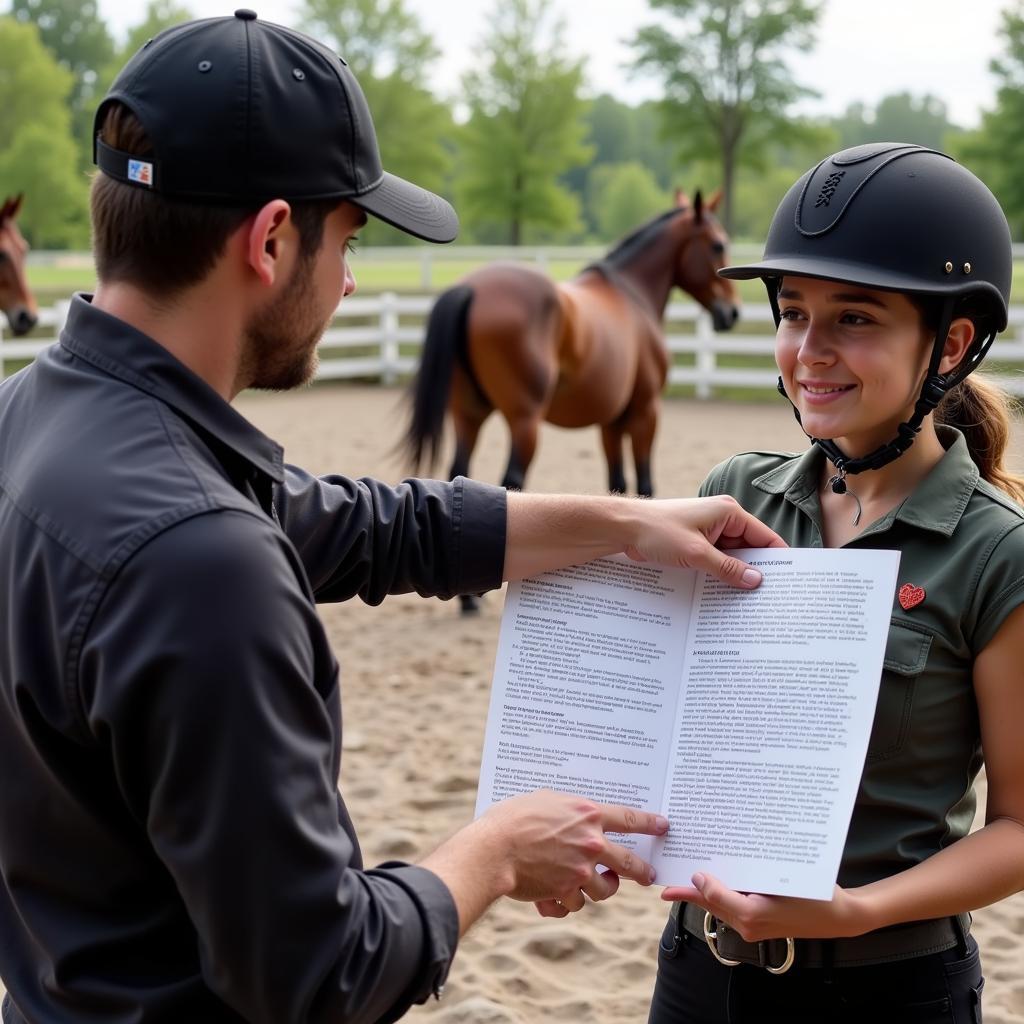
(888,269)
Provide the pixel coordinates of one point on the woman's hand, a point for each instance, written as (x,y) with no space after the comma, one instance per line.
(756,917)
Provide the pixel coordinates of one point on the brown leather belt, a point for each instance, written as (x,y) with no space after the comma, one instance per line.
(897,942)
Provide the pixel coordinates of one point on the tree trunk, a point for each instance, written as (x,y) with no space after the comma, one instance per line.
(728,178)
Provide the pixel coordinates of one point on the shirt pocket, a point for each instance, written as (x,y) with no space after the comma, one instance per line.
(906,655)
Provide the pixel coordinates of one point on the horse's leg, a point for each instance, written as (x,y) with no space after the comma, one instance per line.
(642,426)
(524,429)
(611,439)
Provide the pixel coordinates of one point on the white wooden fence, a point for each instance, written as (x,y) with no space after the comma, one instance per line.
(387,324)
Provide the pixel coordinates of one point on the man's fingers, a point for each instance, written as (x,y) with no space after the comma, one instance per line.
(551,908)
(616,818)
(603,885)
(728,569)
(744,530)
(626,864)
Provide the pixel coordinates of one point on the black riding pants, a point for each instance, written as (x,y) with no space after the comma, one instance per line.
(694,988)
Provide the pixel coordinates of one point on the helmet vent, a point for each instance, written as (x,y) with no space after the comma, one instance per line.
(828,190)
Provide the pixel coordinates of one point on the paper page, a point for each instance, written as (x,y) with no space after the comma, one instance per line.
(778,696)
(585,682)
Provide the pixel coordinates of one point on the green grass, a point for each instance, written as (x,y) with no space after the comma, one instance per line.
(53,282)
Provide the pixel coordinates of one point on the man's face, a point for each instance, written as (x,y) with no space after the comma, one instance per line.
(280,344)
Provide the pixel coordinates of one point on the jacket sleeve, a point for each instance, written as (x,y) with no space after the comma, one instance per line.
(363,538)
(200,673)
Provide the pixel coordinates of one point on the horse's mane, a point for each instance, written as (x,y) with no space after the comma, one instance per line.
(637,240)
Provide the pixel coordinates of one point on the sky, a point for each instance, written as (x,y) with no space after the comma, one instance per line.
(866,49)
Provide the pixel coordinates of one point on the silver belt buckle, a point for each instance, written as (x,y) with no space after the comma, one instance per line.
(711,938)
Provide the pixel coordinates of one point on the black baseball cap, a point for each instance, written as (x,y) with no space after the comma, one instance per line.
(241,111)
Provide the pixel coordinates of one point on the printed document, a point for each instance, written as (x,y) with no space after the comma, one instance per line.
(743,716)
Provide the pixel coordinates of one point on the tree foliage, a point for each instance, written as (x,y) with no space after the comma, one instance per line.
(37,153)
(728,90)
(621,196)
(74,32)
(995,150)
(391,54)
(900,117)
(526,127)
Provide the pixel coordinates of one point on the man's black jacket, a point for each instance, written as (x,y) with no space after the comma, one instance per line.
(173,846)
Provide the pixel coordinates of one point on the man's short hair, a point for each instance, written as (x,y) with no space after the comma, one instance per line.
(164,245)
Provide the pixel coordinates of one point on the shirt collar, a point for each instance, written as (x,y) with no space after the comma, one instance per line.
(936,504)
(120,350)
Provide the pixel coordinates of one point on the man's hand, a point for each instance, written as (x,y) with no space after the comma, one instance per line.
(543,847)
(554,843)
(550,531)
(695,533)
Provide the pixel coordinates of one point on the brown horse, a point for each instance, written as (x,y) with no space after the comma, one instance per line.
(590,351)
(16,300)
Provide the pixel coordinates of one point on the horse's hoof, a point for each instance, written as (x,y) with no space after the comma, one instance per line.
(470,604)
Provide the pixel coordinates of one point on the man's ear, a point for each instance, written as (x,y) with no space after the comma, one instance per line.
(958,341)
(270,236)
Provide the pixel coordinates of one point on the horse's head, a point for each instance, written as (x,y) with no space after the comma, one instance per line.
(16,300)
(700,255)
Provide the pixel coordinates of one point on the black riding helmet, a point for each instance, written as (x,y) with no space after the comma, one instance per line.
(904,218)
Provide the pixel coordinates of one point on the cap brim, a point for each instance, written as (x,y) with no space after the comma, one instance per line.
(410,208)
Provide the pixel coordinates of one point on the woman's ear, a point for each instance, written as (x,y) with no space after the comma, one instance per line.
(958,341)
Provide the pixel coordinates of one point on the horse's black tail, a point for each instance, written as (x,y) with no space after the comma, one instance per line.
(429,390)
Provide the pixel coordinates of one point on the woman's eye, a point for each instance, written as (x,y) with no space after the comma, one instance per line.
(855,318)
(789,314)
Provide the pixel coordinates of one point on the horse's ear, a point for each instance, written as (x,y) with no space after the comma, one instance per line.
(698,206)
(680,200)
(715,201)
(5,210)
(16,205)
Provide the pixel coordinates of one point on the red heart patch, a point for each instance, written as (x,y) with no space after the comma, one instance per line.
(911,596)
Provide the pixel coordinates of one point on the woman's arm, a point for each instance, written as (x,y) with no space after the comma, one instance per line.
(980,869)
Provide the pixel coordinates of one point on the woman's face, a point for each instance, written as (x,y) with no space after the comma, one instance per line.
(852,359)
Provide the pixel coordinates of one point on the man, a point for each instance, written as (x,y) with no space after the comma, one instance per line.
(173,846)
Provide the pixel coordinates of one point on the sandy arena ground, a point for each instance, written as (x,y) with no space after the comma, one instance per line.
(416,678)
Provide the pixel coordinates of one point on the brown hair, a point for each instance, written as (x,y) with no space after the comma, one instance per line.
(164,245)
(980,410)
(977,406)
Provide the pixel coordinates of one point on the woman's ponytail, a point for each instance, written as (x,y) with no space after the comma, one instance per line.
(980,410)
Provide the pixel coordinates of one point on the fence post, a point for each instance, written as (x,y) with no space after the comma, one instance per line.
(705,354)
(62,308)
(426,268)
(388,337)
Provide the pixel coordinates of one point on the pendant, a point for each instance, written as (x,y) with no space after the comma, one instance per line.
(838,485)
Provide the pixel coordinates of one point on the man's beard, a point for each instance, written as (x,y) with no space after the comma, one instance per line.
(281,340)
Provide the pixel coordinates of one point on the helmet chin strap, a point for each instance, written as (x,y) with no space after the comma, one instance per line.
(933,390)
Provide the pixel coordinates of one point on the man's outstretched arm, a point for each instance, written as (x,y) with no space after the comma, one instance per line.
(549,531)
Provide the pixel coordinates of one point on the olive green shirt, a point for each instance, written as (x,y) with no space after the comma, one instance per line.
(962,542)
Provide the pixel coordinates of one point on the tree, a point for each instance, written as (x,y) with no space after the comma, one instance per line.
(390,54)
(74,32)
(900,117)
(727,88)
(623,196)
(526,125)
(159,15)
(995,150)
(37,152)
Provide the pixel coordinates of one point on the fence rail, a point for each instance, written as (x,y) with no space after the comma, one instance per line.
(376,337)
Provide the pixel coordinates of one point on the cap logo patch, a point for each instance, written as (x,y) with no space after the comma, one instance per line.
(141,172)
(828,190)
